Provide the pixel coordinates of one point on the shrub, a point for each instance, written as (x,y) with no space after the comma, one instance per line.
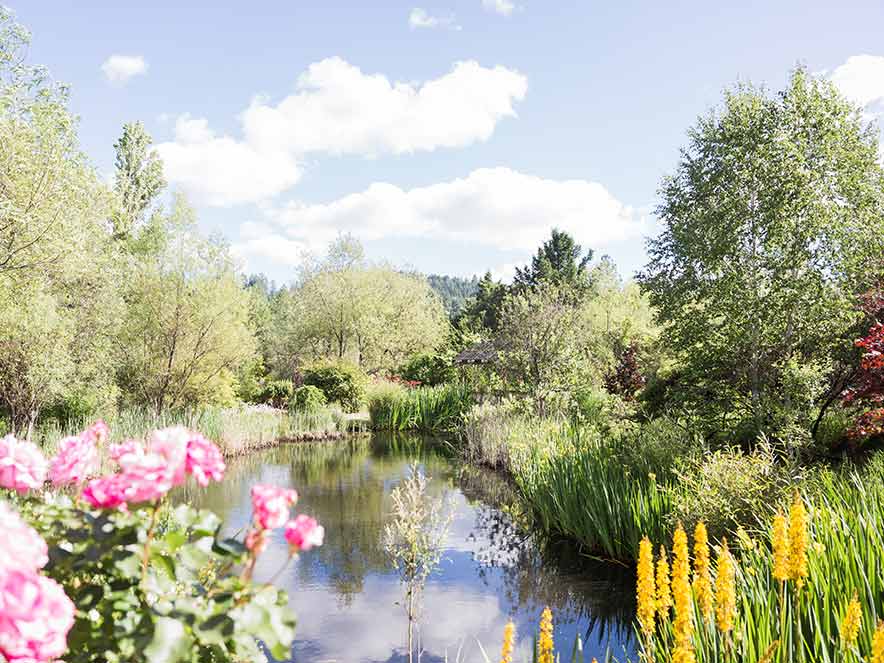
(307,399)
(340,381)
(277,393)
(427,369)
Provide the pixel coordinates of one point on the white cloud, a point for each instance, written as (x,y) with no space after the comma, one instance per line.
(861,79)
(337,109)
(119,69)
(502,7)
(495,207)
(419,18)
(220,170)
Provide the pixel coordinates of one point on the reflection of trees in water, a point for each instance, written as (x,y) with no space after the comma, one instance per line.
(538,572)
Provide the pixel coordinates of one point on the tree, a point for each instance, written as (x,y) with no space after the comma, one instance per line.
(770,223)
(454,291)
(559,261)
(345,307)
(58,303)
(187,331)
(139,178)
(482,310)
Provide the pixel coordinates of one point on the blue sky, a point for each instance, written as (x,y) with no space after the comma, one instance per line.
(450,139)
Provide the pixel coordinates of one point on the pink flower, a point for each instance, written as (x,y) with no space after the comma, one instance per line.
(171,444)
(107,492)
(270,505)
(22,465)
(76,459)
(35,617)
(127,448)
(97,432)
(143,478)
(204,460)
(303,533)
(21,547)
(256,541)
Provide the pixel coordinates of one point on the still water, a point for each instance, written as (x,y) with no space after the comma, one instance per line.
(348,599)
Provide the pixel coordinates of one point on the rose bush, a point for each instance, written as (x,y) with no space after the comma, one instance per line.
(104,569)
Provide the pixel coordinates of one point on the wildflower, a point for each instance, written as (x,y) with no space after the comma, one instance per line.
(645,587)
(35,617)
(21,547)
(725,590)
(664,594)
(545,640)
(303,533)
(681,593)
(798,541)
(878,644)
(270,505)
(203,460)
(851,623)
(22,465)
(76,460)
(780,548)
(509,636)
(702,573)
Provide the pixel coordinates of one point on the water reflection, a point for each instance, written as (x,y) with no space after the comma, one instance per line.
(347,598)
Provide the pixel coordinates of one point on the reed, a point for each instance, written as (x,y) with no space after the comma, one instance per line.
(427,409)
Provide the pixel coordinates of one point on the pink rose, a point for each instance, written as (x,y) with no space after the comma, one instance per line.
(97,432)
(22,465)
(76,459)
(204,460)
(107,492)
(21,547)
(35,617)
(303,533)
(127,448)
(271,505)
(143,478)
(171,444)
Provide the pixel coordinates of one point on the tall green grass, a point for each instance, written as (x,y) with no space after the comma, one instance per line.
(427,409)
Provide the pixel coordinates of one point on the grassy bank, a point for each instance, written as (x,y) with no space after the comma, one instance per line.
(393,407)
(236,430)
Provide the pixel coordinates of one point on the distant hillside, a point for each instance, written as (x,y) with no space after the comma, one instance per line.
(453,290)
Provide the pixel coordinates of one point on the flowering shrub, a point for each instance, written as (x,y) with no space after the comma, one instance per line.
(103,569)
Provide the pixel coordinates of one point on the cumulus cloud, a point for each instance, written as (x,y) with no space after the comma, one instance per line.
(495,207)
(337,109)
(119,69)
(861,79)
(502,7)
(419,18)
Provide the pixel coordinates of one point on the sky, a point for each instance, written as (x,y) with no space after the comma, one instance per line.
(449,136)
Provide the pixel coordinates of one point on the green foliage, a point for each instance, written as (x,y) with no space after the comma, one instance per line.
(308,399)
(429,409)
(454,291)
(560,261)
(185,605)
(427,369)
(771,223)
(277,393)
(139,178)
(340,381)
(481,312)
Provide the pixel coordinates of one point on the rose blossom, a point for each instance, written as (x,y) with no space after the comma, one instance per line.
(106,492)
(171,444)
(204,460)
(22,465)
(35,617)
(303,533)
(21,547)
(76,459)
(97,432)
(256,541)
(270,505)
(127,448)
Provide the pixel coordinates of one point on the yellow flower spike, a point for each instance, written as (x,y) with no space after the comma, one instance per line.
(798,541)
(702,573)
(780,540)
(878,644)
(725,590)
(647,600)
(664,593)
(509,636)
(851,624)
(681,595)
(545,640)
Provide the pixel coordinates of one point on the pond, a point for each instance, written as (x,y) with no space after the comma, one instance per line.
(349,601)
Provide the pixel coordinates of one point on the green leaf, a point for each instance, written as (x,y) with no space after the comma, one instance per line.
(170,643)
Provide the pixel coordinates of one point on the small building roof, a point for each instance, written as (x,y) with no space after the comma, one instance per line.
(479,353)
